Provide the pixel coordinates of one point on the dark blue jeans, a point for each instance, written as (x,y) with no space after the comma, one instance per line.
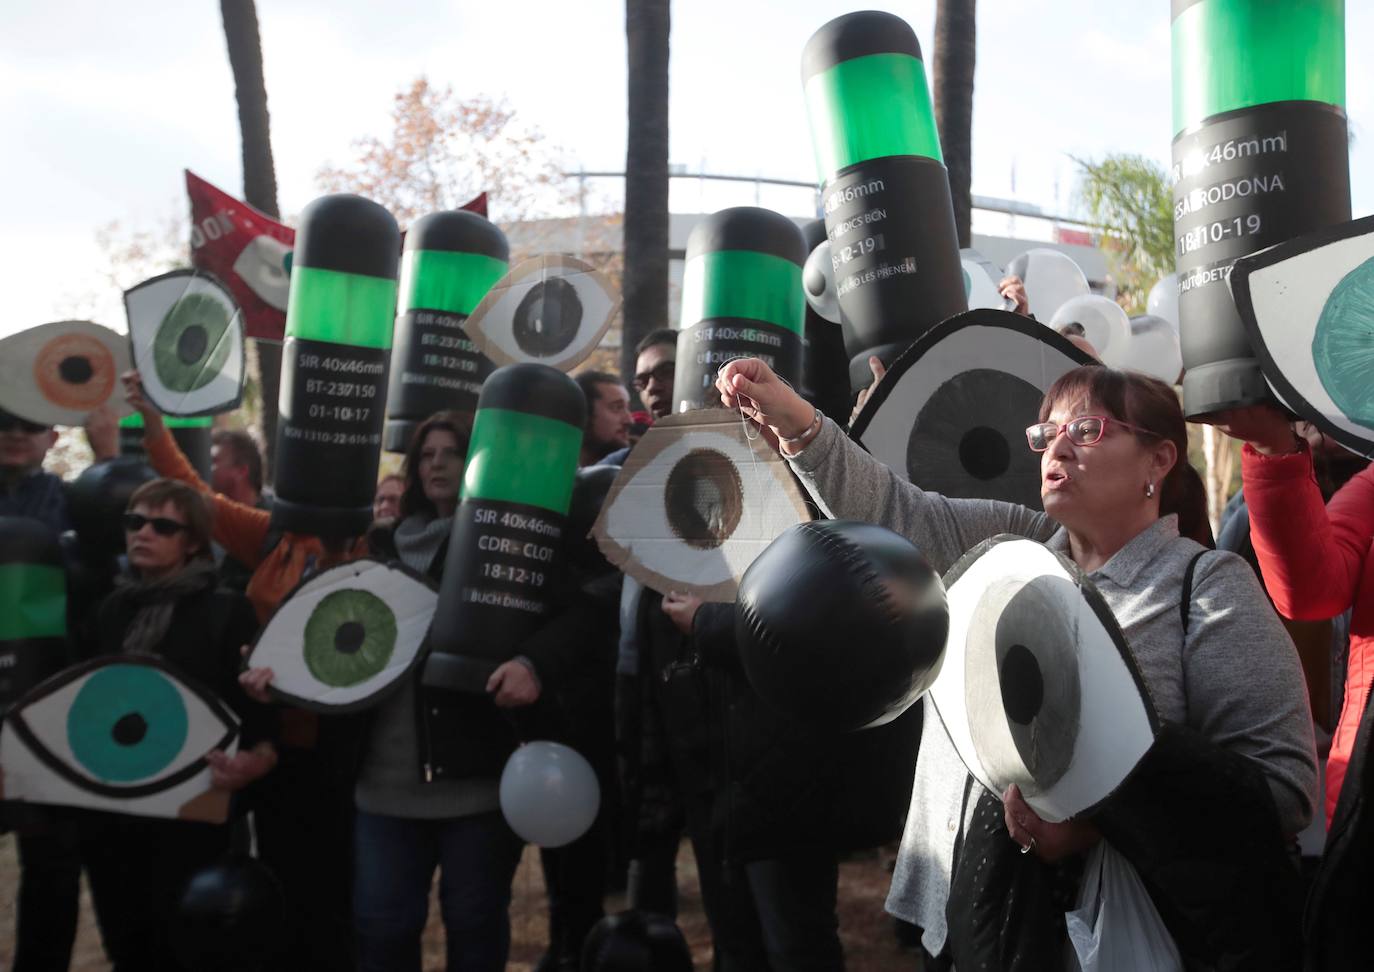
(395,862)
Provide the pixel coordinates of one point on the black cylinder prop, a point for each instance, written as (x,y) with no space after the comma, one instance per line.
(98,498)
(885,190)
(339,316)
(825,365)
(192,436)
(33,606)
(450,261)
(741,297)
(841,624)
(507,544)
(1260,155)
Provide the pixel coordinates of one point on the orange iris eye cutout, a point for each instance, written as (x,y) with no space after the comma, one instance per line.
(75,371)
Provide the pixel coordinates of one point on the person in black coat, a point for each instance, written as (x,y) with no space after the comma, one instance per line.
(171,605)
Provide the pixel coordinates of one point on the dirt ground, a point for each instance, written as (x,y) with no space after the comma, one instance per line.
(866,930)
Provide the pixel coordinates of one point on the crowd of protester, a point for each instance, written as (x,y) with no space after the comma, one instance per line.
(345,814)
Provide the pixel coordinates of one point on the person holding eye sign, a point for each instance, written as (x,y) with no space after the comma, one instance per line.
(169,604)
(1120,502)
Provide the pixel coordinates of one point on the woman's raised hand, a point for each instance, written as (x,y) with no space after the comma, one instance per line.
(133,394)
(1267,429)
(765,399)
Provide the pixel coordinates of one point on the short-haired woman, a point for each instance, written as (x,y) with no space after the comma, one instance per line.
(170,604)
(1121,501)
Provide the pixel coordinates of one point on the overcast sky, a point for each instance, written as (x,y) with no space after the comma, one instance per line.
(103,104)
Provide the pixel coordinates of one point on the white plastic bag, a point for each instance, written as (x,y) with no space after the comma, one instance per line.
(1115,927)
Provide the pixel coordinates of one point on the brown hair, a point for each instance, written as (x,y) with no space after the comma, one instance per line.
(413,499)
(245,451)
(1137,399)
(188,502)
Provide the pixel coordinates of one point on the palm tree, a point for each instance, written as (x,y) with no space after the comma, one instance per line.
(955,55)
(645,281)
(259,174)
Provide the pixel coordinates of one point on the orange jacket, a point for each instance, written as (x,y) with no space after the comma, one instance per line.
(242,530)
(1318,561)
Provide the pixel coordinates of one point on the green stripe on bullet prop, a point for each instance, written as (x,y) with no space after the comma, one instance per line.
(1232,54)
(447,280)
(135,421)
(537,459)
(743,284)
(871,107)
(341,308)
(36,596)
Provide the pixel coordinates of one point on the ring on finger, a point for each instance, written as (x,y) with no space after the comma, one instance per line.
(1027,848)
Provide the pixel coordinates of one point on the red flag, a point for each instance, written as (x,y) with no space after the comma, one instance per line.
(245,249)
(250,252)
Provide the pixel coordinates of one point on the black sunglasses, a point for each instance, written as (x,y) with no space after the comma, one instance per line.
(8,422)
(662,372)
(162,526)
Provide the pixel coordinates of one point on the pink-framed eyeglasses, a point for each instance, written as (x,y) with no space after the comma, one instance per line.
(1085,430)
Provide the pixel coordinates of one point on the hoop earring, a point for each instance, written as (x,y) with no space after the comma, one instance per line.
(1149,490)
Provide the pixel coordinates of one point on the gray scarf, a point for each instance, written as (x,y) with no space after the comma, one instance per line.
(418,540)
(154,601)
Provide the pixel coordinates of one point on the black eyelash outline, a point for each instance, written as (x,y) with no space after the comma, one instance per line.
(15,720)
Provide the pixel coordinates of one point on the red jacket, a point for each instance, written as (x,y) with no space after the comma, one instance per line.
(1318,560)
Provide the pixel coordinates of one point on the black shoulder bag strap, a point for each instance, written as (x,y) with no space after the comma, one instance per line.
(1185,605)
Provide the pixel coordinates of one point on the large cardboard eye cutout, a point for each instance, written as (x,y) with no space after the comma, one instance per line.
(1039,687)
(57,374)
(343,640)
(951,414)
(1308,308)
(695,503)
(551,310)
(124,733)
(186,333)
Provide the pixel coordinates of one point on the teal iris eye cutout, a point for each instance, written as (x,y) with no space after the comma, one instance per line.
(349,638)
(127,723)
(1343,344)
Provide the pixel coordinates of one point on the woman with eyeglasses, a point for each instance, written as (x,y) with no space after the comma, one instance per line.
(170,604)
(1120,501)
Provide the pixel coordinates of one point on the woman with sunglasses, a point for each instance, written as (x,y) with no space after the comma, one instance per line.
(1121,502)
(170,604)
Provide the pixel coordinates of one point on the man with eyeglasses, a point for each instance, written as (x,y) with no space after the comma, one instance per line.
(655,361)
(49,865)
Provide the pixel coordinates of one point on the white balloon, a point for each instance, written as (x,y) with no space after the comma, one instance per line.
(818,283)
(1163,300)
(549,793)
(1105,325)
(1051,278)
(980,280)
(1154,348)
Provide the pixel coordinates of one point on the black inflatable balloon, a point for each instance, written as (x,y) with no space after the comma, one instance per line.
(741,297)
(450,261)
(825,364)
(509,533)
(636,941)
(33,606)
(1260,155)
(339,318)
(98,497)
(229,918)
(841,624)
(192,436)
(885,189)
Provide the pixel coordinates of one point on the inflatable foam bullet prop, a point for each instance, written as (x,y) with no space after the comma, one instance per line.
(508,534)
(192,435)
(1260,155)
(884,190)
(741,297)
(450,261)
(33,606)
(335,360)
